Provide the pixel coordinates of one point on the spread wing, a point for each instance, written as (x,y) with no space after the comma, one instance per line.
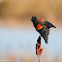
(48,24)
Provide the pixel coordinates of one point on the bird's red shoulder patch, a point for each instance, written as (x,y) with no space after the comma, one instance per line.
(38,27)
(41,19)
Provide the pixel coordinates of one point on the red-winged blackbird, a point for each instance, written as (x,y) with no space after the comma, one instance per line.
(42,27)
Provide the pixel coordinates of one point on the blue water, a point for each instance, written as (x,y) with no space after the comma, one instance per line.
(18,39)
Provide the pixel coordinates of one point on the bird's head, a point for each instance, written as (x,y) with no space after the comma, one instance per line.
(33,19)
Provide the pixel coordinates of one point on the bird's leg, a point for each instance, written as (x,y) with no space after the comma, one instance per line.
(39,40)
(39,35)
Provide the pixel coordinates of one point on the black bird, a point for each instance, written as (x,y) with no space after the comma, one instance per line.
(42,27)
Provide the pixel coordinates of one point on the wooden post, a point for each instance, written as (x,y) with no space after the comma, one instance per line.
(39,51)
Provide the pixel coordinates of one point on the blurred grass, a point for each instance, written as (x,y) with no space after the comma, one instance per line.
(29,58)
(50,10)
(22,8)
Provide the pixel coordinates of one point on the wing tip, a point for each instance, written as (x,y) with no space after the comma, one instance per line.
(55,27)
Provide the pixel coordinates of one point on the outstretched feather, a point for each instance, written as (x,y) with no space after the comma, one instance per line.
(48,24)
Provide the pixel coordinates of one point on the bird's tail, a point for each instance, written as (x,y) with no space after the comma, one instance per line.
(46,42)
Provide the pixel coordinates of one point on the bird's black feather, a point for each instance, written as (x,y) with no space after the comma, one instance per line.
(44,33)
(49,25)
